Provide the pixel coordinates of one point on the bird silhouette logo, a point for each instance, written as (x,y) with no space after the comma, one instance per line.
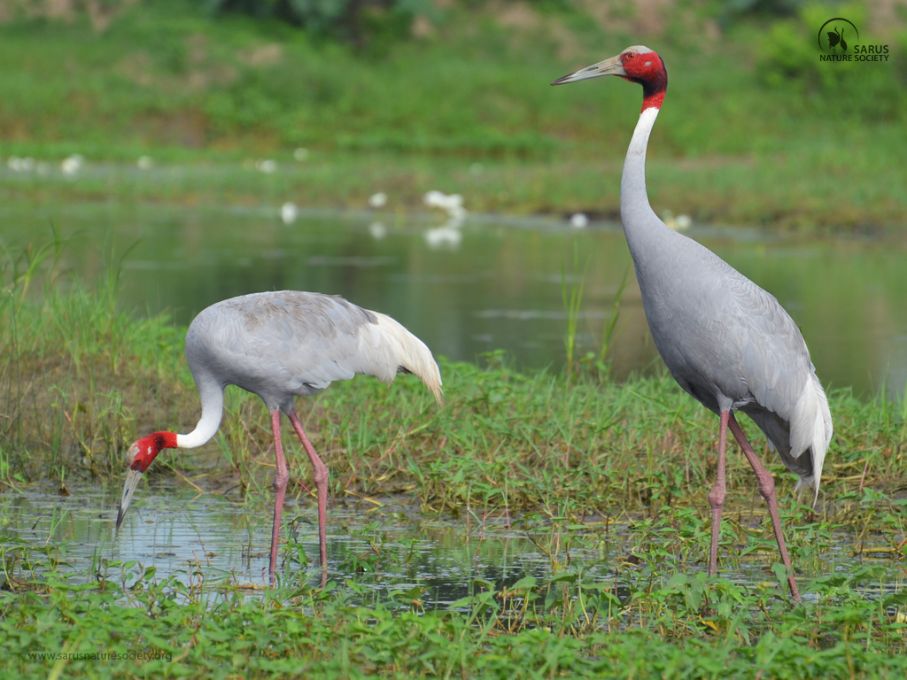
(836,37)
(832,34)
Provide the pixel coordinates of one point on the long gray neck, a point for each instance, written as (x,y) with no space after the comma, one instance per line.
(641,225)
(211,393)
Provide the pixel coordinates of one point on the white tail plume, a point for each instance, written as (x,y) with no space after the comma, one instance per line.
(811,428)
(402,349)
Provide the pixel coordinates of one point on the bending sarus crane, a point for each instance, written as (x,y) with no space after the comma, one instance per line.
(728,343)
(279,345)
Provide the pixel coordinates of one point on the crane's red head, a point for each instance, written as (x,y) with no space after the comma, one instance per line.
(143,451)
(140,455)
(638,64)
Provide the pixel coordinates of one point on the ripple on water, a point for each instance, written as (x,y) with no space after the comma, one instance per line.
(389,548)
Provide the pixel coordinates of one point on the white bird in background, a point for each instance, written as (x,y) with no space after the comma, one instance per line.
(267,166)
(71,164)
(17,164)
(448,235)
(677,223)
(377,230)
(288,212)
(279,345)
(579,221)
(728,343)
(377,200)
(452,204)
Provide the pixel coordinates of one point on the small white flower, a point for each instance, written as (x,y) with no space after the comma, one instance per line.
(378,200)
(267,166)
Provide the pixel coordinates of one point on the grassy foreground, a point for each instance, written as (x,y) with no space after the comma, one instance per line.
(79,380)
(679,627)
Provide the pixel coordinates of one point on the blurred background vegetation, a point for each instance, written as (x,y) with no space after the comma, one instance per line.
(750,106)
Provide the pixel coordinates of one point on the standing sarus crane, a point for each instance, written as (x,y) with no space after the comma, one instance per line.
(729,343)
(279,345)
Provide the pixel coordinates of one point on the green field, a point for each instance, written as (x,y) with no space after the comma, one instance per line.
(754,132)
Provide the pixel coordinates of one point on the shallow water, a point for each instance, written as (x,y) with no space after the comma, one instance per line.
(490,283)
(386,546)
(391,546)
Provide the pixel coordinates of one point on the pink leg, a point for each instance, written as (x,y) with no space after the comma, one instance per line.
(320,477)
(767,489)
(716,495)
(280,488)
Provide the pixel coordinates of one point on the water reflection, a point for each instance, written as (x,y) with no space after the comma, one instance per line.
(390,549)
(483,284)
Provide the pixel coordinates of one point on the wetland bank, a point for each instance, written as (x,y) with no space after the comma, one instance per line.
(551,519)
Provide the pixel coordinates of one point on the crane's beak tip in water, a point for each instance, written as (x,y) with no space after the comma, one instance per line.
(132,480)
(608,67)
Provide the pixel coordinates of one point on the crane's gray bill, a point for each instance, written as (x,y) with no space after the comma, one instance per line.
(132,480)
(608,67)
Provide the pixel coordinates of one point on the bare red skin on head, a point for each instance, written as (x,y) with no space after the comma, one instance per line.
(647,69)
(149,446)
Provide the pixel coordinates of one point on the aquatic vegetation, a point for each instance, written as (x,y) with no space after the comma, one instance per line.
(127,621)
(566,461)
(80,378)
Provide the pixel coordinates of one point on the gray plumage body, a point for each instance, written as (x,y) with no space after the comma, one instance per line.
(726,341)
(284,344)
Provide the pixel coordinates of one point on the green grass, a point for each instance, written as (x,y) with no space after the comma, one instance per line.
(466,109)
(79,380)
(568,627)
